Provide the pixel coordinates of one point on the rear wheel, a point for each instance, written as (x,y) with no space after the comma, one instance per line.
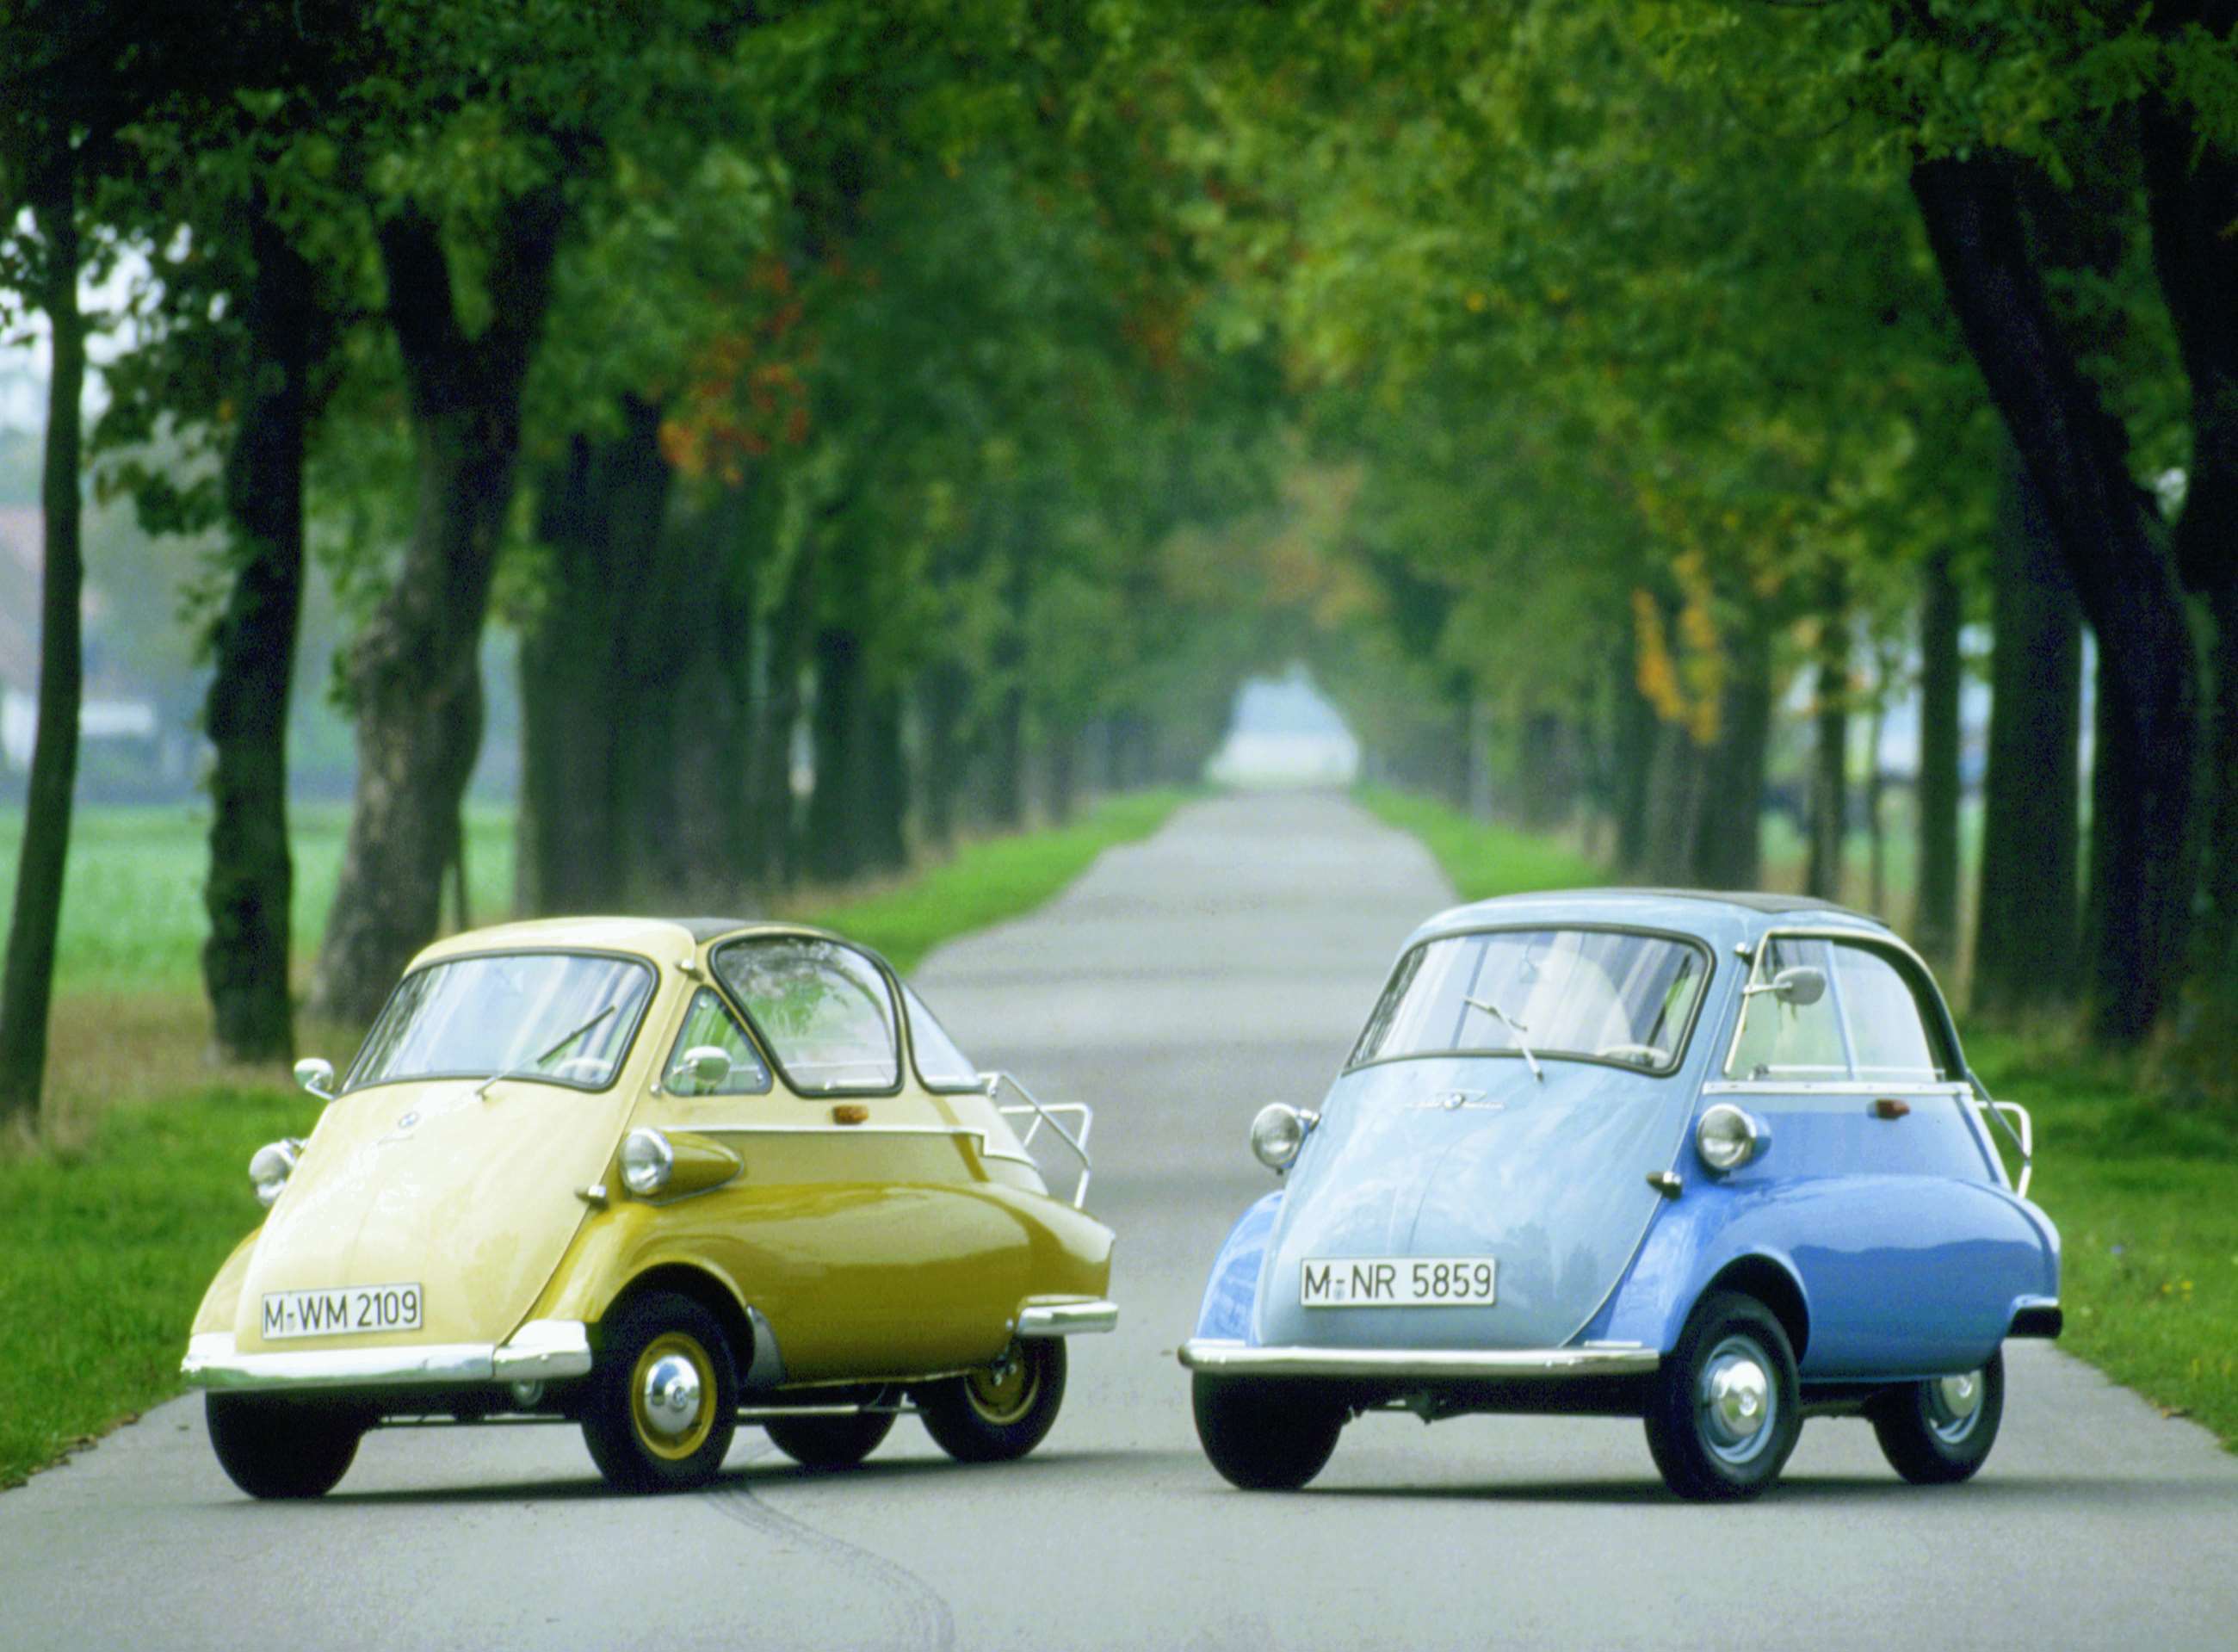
(830,1442)
(1000,1413)
(1938,1432)
(664,1397)
(1264,1437)
(275,1448)
(1727,1408)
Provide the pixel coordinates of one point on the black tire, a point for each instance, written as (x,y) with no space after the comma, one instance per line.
(275,1448)
(1264,1437)
(1938,1432)
(1726,1408)
(830,1442)
(663,1399)
(999,1413)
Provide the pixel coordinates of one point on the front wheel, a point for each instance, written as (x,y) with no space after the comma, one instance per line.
(1264,1437)
(664,1396)
(999,1413)
(1938,1432)
(272,1448)
(1727,1407)
(829,1442)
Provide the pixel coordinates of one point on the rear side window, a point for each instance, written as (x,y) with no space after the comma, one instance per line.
(1888,1038)
(940,1064)
(822,1009)
(1866,1027)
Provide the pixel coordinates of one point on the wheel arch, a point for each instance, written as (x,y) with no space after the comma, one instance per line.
(1768,1281)
(1231,1291)
(703,1287)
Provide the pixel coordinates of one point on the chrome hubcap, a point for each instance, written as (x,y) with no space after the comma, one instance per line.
(1953,1403)
(1736,1401)
(671,1396)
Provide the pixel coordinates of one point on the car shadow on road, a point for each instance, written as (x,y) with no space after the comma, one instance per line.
(2060,1491)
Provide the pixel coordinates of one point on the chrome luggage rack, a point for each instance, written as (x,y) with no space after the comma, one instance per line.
(2005,1115)
(1046,1113)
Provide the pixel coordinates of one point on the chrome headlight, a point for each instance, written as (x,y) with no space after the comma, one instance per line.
(647,1162)
(1727,1138)
(1278,1132)
(270,1168)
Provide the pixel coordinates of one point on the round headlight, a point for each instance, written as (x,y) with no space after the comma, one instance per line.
(1276,1135)
(273,1163)
(1726,1137)
(647,1161)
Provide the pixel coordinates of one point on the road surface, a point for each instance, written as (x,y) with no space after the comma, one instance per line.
(1181,983)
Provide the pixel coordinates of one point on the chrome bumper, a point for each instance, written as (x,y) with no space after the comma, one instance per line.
(1227,1358)
(543,1350)
(1068,1318)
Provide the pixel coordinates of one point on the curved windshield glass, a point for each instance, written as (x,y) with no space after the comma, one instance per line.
(1607,995)
(822,1009)
(560,1018)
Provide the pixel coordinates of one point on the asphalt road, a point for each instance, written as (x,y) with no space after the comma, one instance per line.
(1181,983)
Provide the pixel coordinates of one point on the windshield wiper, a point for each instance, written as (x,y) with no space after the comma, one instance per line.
(1512,1025)
(482,1092)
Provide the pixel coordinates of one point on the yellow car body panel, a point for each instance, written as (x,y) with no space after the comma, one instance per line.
(878,1236)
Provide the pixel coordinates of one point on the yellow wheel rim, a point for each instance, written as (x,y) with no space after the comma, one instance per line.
(1004,1391)
(672,1396)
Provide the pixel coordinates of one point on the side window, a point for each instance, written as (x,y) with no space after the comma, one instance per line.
(822,1009)
(1886,1032)
(940,1064)
(710,1025)
(1798,1042)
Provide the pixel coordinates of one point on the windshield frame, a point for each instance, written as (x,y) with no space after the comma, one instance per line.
(350,1084)
(1707,954)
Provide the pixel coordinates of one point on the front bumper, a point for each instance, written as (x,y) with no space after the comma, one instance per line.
(543,1350)
(1217,1357)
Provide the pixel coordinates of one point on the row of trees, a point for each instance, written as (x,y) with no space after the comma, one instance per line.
(807,380)
(876,381)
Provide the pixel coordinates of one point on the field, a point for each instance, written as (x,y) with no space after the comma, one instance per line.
(2143,1196)
(113,1218)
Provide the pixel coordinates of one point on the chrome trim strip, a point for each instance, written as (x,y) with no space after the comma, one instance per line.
(1068,1318)
(553,1349)
(544,1351)
(1832,1087)
(1222,1356)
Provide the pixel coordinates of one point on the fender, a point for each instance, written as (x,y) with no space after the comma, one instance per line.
(1231,1295)
(1689,1245)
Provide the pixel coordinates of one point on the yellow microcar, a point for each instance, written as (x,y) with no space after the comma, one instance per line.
(653,1179)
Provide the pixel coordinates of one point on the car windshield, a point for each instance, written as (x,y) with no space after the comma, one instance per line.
(1607,995)
(560,1018)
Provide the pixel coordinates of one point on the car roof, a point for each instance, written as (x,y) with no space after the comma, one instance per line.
(1722,917)
(651,936)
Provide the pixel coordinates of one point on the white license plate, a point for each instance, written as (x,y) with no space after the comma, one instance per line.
(1396,1282)
(341,1311)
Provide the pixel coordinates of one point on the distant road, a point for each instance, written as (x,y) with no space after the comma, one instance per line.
(1185,980)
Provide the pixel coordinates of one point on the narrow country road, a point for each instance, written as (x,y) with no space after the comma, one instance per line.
(1184,981)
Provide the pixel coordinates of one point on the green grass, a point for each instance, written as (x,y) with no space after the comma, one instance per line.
(2146,1199)
(112,1227)
(132,898)
(989,880)
(1481,859)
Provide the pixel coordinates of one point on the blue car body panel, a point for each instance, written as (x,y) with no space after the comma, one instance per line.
(1886,1209)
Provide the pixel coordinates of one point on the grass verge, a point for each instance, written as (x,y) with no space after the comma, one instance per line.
(113,1223)
(2142,1196)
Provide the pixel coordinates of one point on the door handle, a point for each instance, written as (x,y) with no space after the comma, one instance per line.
(1888,1107)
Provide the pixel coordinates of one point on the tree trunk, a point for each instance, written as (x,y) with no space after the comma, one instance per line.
(413,676)
(884,780)
(2076,453)
(1006,775)
(27,990)
(1632,749)
(1728,840)
(2192,187)
(777,858)
(836,841)
(252,648)
(2024,936)
(1934,914)
(1830,759)
(1063,776)
(946,692)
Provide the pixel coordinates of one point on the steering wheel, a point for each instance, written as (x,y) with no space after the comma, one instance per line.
(1645,1055)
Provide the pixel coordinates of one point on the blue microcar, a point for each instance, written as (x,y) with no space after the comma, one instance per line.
(1712,1161)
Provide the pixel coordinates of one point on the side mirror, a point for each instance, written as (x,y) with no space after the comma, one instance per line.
(708,1064)
(316,1074)
(1799,985)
